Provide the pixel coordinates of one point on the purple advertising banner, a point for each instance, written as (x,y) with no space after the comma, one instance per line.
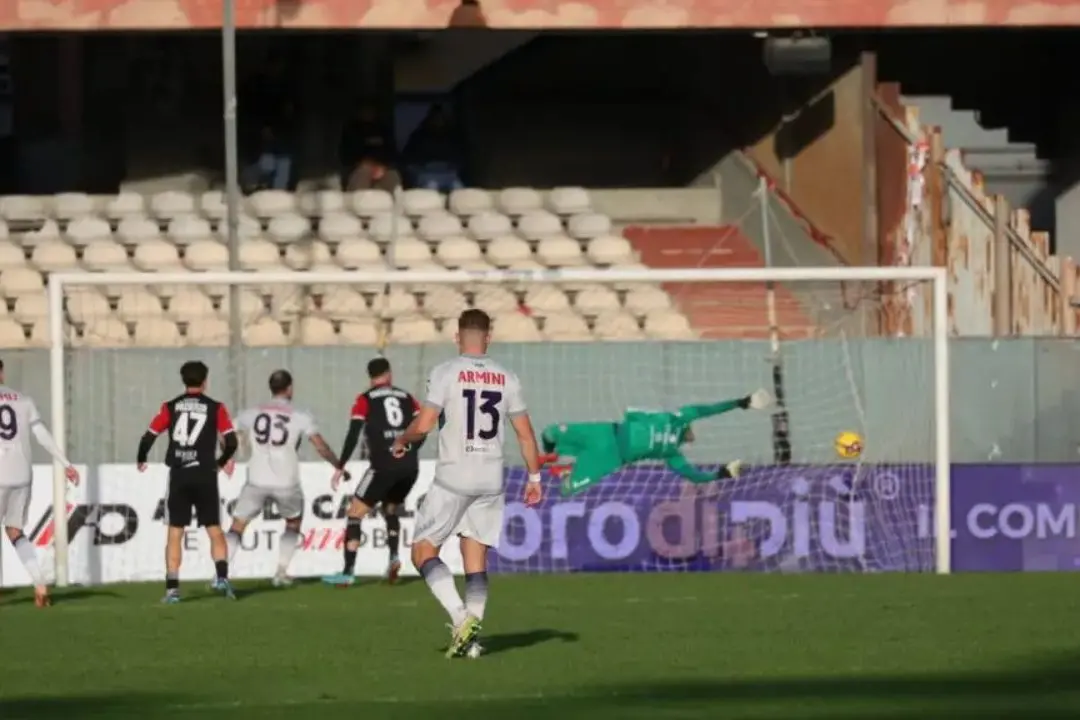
(800,518)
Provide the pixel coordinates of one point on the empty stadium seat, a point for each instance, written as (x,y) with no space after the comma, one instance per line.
(270,203)
(124,205)
(213,332)
(560,251)
(135,230)
(104,331)
(438,225)
(12,334)
(206,254)
(21,281)
(321,202)
(631,266)
(190,304)
(597,300)
(617,325)
(187,230)
(105,255)
(288,228)
(421,201)
(588,225)
(308,254)
(566,327)
(641,301)
(252,304)
(171,204)
(515,327)
(386,226)
(609,250)
(41,335)
(413,329)
(517,201)
(569,200)
(247,227)
(545,300)
(136,303)
(495,300)
(313,330)
(68,206)
(408,252)
(157,255)
(290,301)
(339,226)
(157,332)
(360,332)
(357,252)
(370,203)
(86,230)
(29,308)
(264,332)
(84,305)
(468,202)
(48,230)
(444,302)
(506,250)
(668,325)
(538,224)
(394,304)
(343,303)
(23,208)
(258,254)
(488,225)
(457,252)
(212,205)
(11,255)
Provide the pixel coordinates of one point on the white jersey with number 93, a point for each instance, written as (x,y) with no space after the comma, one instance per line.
(475,395)
(275,430)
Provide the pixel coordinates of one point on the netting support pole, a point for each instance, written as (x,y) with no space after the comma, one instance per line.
(942,428)
(780,421)
(58,421)
(232,197)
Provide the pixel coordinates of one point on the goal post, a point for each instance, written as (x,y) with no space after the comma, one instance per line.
(932,280)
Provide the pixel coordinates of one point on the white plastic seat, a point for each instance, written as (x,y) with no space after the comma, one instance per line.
(444,303)
(515,327)
(171,204)
(157,255)
(457,252)
(569,200)
(307,254)
(12,334)
(566,327)
(525,264)
(48,230)
(104,332)
(125,205)
(539,224)
(488,225)
(560,251)
(105,255)
(641,301)
(588,225)
(212,205)
(264,332)
(339,227)
(408,252)
(421,201)
(136,303)
(11,255)
(544,300)
(21,281)
(467,202)
(519,200)
(385,227)
(187,230)
(68,206)
(364,331)
(370,203)
(377,268)
(270,203)
(506,250)
(631,285)
(413,330)
(190,304)
(288,228)
(22,208)
(135,230)
(437,226)
(617,325)
(208,332)
(251,304)
(357,252)
(41,334)
(668,325)
(342,303)
(321,203)
(84,305)
(85,230)
(394,304)
(29,308)
(597,300)
(157,332)
(289,301)
(609,250)
(313,330)
(203,255)
(495,300)
(247,227)
(257,254)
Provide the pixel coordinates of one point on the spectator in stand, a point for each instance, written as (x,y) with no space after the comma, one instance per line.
(364,141)
(371,173)
(435,154)
(267,101)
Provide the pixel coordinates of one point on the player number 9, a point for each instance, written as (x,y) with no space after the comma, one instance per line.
(9,426)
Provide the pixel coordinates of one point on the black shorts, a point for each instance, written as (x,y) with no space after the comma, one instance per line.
(386,486)
(193,493)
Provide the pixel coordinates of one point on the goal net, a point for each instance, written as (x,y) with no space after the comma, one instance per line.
(848,349)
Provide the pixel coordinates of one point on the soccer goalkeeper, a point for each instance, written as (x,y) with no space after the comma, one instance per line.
(599,449)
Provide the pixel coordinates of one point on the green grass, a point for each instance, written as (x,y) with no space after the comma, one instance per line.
(573,646)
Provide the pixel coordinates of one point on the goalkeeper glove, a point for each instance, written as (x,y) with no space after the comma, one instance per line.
(731,471)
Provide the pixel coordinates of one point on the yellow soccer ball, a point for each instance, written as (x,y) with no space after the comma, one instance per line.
(848,444)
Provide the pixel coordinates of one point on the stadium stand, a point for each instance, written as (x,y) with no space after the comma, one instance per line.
(328,230)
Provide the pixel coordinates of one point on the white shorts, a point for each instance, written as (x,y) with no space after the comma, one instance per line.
(444,513)
(252,500)
(14,506)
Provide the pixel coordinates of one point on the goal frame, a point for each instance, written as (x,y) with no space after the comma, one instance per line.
(936,276)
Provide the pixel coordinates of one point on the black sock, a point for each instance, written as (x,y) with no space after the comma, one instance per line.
(222,568)
(393,534)
(352,535)
(172,581)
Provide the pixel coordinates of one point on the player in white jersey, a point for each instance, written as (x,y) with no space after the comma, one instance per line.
(275,430)
(468,397)
(18,419)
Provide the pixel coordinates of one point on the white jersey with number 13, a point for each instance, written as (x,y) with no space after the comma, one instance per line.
(476,395)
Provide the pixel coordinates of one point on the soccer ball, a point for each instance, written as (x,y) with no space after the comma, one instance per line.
(848,444)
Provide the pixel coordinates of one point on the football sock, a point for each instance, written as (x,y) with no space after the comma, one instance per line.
(476,593)
(232,540)
(172,581)
(352,535)
(441,582)
(25,550)
(289,540)
(393,535)
(221,567)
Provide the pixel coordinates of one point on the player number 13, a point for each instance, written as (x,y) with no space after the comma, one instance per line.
(488,405)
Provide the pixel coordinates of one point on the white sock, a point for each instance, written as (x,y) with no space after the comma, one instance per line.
(441,583)
(476,594)
(287,547)
(25,550)
(232,540)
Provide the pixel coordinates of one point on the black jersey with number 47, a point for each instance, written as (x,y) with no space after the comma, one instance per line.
(386,411)
(193,422)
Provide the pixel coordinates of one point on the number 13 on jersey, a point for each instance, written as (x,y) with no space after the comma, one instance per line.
(482,408)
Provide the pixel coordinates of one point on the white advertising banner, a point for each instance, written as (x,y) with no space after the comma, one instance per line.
(117,533)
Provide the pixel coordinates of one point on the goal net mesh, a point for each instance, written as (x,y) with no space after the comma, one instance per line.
(585,353)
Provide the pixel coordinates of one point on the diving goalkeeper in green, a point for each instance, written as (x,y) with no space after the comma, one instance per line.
(599,449)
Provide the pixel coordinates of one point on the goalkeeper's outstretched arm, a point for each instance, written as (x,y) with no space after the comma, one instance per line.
(681,465)
(758,400)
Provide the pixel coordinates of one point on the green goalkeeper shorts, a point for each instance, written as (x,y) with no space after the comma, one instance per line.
(595,449)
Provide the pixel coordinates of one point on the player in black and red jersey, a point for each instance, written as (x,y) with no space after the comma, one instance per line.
(381,413)
(194,421)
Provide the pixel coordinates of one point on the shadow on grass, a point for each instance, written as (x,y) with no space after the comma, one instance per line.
(514,641)
(60,596)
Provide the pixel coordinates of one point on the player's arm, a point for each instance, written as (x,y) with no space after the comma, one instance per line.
(357,418)
(227,432)
(417,407)
(523,428)
(45,438)
(684,468)
(158,425)
(428,417)
(758,400)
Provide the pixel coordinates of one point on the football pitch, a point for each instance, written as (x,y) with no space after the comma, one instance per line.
(559,646)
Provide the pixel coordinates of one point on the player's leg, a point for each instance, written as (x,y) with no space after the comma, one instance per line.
(437,518)
(480,530)
(208,513)
(392,503)
(14,508)
(290,504)
(368,493)
(178,509)
(599,457)
(248,505)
